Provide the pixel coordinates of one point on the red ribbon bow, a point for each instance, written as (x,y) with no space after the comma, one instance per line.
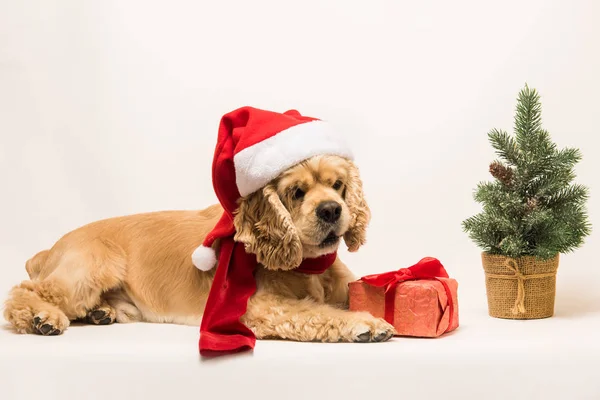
(428,268)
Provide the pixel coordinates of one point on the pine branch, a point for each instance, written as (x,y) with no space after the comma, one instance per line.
(546,185)
(567,157)
(485,231)
(505,146)
(528,118)
(568,197)
(564,234)
(539,145)
(503,205)
(513,245)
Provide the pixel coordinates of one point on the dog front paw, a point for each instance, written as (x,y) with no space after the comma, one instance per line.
(369,329)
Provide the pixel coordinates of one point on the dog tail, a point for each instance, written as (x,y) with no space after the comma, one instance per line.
(34,265)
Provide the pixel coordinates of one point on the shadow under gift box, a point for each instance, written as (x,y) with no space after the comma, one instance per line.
(421,308)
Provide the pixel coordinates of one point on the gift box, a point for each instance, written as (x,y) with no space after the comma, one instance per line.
(418,301)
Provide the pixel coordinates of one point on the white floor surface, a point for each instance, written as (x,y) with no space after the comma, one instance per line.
(485,358)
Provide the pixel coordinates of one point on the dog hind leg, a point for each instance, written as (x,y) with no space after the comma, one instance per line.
(34,265)
(31,308)
(71,291)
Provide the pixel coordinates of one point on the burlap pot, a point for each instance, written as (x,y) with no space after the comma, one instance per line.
(521,288)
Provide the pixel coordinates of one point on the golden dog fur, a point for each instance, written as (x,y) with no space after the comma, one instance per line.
(139,268)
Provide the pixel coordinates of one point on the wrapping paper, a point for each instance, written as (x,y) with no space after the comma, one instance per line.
(421,307)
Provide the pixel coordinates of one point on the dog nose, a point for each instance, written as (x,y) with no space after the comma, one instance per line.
(329,211)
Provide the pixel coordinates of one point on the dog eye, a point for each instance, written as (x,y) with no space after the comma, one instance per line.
(337,185)
(298,194)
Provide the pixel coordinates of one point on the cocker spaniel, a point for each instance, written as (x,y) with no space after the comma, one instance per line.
(138,267)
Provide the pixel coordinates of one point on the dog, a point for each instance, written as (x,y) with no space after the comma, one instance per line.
(138,267)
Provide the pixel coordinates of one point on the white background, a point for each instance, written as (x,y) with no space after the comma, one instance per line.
(111,108)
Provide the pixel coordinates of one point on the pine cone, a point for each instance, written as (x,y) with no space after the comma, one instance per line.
(501,172)
(532,203)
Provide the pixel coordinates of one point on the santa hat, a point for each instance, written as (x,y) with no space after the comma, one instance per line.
(253,147)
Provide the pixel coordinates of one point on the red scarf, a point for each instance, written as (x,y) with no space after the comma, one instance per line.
(221,331)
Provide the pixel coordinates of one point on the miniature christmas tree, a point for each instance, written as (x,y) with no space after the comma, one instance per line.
(531,208)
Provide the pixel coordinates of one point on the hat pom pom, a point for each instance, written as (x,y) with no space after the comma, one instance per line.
(204,258)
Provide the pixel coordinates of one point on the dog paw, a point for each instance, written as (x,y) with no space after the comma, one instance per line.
(372,330)
(49,323)
(103,315)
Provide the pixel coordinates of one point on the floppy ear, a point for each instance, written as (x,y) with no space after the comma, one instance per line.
(265,227)
(360,213)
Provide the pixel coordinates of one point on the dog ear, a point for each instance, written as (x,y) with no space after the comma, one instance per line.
(265,227)
(360,213)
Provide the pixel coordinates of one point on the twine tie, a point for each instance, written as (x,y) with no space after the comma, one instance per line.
(511,264)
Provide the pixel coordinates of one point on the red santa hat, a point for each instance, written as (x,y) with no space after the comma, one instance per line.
(253,147)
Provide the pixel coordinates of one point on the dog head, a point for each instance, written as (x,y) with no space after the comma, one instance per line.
(304,213)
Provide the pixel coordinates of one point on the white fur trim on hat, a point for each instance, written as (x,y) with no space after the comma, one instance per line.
(257,165)
(204,258)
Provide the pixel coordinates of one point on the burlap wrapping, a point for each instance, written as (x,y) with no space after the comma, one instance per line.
(521,288)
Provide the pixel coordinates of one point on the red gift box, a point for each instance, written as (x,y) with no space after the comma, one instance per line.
(418,301)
